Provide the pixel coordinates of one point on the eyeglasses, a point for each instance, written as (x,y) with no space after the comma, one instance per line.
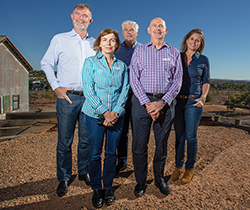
(131,30)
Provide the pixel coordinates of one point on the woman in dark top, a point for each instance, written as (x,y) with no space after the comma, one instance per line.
(190,102)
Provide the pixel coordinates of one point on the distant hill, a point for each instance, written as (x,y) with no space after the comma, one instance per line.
(228,80)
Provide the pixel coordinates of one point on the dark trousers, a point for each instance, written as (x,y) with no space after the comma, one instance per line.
(122,149)
(141,131)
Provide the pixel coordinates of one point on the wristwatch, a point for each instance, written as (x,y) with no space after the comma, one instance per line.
(163,101)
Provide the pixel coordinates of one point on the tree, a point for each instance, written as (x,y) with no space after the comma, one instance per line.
(246,99)
(238,101)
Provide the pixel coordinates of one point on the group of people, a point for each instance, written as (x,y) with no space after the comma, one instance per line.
(104,85)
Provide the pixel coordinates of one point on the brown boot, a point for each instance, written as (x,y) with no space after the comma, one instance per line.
(175,175)
(187,176)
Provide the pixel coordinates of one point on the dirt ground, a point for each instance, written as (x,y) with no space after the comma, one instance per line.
(221,179)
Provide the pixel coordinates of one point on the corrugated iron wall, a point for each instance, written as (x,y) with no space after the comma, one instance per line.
(14,80)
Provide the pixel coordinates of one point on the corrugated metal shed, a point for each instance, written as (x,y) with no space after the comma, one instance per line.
(5,40)
(14,79)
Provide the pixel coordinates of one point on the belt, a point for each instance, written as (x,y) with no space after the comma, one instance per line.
(155,95)
(80,93)
(186,97)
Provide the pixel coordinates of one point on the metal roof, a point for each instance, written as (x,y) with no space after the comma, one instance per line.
(5,40)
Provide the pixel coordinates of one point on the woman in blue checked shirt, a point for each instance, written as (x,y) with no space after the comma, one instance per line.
(190,102)
(105,81)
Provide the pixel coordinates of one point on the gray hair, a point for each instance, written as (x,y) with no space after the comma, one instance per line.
(83,6)
(130,22)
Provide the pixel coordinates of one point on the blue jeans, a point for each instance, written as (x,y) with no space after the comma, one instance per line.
(95,135)
(186,122)
(67,116)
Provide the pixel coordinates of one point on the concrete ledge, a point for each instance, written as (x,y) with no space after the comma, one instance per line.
(238,122)
(217,118)
(30,115)
(214,123)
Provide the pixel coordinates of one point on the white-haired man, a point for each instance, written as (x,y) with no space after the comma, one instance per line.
(130,31)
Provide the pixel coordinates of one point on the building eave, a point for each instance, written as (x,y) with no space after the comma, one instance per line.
(5,40)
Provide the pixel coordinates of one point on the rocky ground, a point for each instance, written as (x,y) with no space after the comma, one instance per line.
(221,180)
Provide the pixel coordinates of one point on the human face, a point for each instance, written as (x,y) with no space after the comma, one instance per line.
(108,44)
(157,29)
(129,33)
(194,42)
(81,18)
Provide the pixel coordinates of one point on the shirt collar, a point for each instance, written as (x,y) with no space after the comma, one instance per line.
(150,44)
(197,54)
(133,46)
(73,33)
(100,56)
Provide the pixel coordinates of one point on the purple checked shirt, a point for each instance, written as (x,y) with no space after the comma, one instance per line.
(155,71)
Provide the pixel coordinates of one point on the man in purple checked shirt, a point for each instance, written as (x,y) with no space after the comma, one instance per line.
(155,78)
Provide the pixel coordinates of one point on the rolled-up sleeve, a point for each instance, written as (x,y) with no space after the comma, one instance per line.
(50,60)
(206,75)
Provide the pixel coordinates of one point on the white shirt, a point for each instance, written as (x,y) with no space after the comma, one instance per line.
(67,52)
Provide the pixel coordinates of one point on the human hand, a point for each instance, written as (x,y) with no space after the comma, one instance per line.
(110,118)
(200,102)
(61,93)
(154,108)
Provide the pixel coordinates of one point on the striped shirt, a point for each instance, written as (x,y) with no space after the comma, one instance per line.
(155,71)
(103,88)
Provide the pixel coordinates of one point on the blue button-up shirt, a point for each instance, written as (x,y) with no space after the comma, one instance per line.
(104,88)
(195,74)
(155,71)
(125,53)
(67,51)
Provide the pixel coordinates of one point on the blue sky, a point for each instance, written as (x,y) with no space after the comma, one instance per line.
(30,25)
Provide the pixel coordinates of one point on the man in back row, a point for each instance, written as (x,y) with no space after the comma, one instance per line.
(130,31)
(155,78)
(68,51)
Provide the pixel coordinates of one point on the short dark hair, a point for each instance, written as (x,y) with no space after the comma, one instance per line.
(190,33)
(104,33)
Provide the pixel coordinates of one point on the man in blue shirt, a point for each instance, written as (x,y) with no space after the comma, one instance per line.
(67,51)
(129,32)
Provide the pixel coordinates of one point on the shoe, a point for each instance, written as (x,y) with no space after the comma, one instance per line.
(62,188)
(176,174)
(109,197)
(187,176)
(121,166)
(84,177)
(97,199)
(163,187)
(139,190)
